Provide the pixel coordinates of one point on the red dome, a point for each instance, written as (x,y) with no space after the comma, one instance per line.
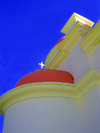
(60,40)
(46,75)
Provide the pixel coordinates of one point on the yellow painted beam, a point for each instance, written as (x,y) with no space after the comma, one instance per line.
(73,19)
(92,40)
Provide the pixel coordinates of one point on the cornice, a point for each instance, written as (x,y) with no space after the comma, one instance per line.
(36,90)
(92,40)
(89,81)
(77,27)
(51,90)
(79,30)
(73,19)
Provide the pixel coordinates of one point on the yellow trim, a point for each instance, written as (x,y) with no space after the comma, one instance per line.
(57,60)
(36,90)
(76,29)
(61,60)
(51,53)
(73,37)
(92,40)
(51,90)
(35,98)
(74,18)
(87,82)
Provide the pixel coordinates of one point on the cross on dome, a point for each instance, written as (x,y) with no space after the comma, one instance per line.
(42,65)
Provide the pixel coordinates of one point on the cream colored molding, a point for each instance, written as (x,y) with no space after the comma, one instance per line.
(92,40)
(51,90)
(36,90)
(65,46)
(78,31)
(57,60)
(51,53)
(61,60)
(89,81)
(73,19)
(76,28)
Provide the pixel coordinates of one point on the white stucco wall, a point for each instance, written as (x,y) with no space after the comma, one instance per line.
(94,58)
(89,106)
(79,61)
(44,115)
(66,66)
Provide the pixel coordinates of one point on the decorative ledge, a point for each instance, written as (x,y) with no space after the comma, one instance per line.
(73,19)
(77,27)
(78,31)
(92,40)
(51,90)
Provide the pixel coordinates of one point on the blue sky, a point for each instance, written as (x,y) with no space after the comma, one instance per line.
(29,30)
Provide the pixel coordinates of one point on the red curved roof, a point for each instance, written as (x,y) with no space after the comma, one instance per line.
(46,75)
(60,40)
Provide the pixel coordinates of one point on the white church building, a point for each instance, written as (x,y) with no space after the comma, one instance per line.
(66,98)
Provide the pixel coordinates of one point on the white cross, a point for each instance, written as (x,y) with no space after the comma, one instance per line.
(42,65)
